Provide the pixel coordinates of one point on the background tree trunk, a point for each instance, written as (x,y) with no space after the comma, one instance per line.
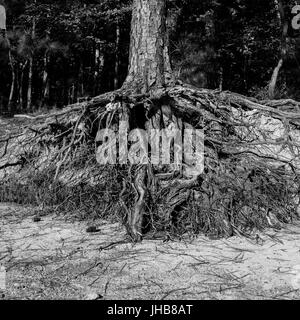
(30,71)
(29,90)
(117,62)
(45,92)
(22,67)
(283,50)
(13,82)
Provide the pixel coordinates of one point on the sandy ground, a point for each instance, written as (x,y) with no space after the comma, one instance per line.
(58,259)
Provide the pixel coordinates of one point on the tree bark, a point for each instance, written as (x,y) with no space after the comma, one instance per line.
(149,63)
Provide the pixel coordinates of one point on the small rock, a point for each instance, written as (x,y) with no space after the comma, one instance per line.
(92,229)
(37,219)
(93,296)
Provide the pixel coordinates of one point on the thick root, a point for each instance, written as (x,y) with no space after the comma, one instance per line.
(135,219)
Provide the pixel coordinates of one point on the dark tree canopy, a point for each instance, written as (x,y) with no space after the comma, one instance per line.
(232,44)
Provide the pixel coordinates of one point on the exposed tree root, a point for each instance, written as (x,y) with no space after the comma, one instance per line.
(240,135)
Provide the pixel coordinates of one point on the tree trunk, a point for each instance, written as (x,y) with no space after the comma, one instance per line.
(23,66)
(149,63)
(99,64)
(221,78)
(80,87)
(274,78)
(30,71)
(117,62)
(149,69)
(29,90)
(150,73)
(283,50)
(13,82)
(45,94)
